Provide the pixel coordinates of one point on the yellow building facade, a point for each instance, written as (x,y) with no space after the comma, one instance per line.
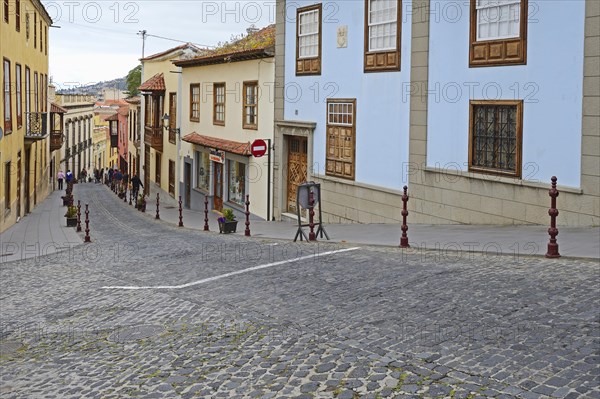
(27,165)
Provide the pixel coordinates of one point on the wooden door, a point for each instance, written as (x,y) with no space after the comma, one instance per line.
(297,168)
(18,184)
(147,170)
(218,186)
(27,178)
(187,173)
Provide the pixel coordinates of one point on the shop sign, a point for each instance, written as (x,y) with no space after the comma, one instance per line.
(216,156)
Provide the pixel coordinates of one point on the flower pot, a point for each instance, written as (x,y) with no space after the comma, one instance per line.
(72,222)
(228,227)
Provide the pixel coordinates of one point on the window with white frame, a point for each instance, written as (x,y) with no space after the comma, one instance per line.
(382,35)
(308,34)
(498,32)
(341,138)
(498,19)
(383,24)
(308,40)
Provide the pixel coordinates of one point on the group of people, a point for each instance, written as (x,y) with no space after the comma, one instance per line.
(109,177)
(62,177)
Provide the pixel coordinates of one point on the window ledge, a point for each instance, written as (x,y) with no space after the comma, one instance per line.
(502,179)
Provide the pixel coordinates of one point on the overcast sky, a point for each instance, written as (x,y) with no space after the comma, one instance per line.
(98,40)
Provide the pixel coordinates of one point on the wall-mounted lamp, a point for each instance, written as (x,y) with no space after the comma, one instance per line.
(166,124)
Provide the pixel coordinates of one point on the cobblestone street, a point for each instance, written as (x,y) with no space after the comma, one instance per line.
(154,311)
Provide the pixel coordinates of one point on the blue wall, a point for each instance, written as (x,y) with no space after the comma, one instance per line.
(382,111)
(550,85)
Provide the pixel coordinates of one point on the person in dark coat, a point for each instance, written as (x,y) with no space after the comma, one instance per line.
(135,184)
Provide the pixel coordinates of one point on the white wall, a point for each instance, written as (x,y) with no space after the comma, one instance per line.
(550,85)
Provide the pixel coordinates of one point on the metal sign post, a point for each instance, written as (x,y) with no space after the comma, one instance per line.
(306,192)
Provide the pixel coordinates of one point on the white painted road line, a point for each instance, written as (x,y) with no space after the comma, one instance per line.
(219,277)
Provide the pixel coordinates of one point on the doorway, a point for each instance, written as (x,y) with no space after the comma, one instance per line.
(18,184)
(218,189)
(297,168)
(187,181)
(27,180)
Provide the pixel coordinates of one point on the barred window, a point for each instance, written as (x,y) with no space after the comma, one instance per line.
(495,137)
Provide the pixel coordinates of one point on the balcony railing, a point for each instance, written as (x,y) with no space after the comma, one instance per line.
(56,140)
(36,126)
(154,137)
(67,153)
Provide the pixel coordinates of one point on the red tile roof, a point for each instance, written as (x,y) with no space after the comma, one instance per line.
(57,109)
(220,144)
(155,83)
(113,117)
(123,110)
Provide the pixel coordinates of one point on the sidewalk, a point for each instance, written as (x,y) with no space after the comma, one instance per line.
(43,232)
(447,239)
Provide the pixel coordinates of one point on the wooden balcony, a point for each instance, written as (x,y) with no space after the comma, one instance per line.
(56,140)
(36,126)
(154,137)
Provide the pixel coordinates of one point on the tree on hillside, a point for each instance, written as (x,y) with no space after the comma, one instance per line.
(134,80)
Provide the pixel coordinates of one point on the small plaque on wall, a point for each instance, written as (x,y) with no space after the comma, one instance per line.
(342,36)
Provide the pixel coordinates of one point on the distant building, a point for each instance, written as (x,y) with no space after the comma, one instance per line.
(77,153)
(159,94)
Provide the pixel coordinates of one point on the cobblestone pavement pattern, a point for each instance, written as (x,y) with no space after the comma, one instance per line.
(367,323)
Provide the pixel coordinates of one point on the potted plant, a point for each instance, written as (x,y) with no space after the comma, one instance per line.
(71,216)
(121,192)
(141,203)
(227,222)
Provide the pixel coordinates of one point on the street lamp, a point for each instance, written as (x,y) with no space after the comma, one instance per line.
(166,125)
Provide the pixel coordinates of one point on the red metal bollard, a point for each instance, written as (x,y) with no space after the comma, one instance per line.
(206,213)
(125,196)
(404,238)
(130,191)
(180,213)
(87,224)
(247,231)
(157,202)
(311,214)
(78,215)
(553,231)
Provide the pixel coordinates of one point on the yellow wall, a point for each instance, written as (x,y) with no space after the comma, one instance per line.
(233,75)
(18,49)
(151,68)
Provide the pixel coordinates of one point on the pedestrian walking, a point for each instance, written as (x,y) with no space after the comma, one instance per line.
(135,185)
(69,177)
(60,177)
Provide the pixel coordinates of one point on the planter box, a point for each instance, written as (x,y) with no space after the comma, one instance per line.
(228,227)
(72,222)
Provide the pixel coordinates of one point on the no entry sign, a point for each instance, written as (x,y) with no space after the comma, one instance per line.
(258,148)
